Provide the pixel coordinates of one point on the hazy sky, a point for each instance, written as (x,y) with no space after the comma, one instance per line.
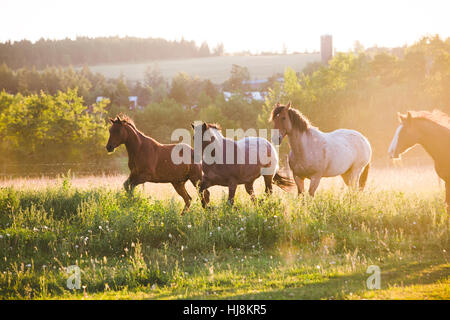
(240,24)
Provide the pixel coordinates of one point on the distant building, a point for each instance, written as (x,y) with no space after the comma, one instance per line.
(250,95)
(133,102)
(100,98)
(326,48)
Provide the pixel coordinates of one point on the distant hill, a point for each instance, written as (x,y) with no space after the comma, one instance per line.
(217,69)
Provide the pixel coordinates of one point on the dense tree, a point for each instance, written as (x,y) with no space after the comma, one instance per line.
(237,78)
(50,128)
(84,50)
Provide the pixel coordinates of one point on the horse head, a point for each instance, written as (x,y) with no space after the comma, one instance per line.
(117,133)
(406,136)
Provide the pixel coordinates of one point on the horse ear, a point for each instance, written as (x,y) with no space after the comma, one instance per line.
(401,117)
(192,125)
(288,105)
(204,126)
(278,104)
(409,117)
(111,120)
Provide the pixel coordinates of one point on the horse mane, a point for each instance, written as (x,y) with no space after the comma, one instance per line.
(435,116)
(298,120)
(123,118)
(214,126)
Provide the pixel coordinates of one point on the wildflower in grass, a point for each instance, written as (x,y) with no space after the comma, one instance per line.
(1,236)
(218,228)
(170,235)
(189,226)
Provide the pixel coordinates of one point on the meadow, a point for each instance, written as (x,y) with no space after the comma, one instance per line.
(216,69)
(284,247)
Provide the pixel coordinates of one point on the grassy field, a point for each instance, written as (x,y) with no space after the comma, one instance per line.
(285,247)
(217,69)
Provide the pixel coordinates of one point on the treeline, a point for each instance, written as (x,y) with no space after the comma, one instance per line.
(154,87)
(84,51)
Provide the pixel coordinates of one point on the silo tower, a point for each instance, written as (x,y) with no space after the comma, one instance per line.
(326,48)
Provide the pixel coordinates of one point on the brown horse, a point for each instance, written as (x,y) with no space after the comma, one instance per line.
(151,161)
(231,163)
(432,131)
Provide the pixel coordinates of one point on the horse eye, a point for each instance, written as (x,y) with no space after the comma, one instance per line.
(284,118)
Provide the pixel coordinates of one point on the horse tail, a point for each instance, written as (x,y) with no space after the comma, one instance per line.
(363,177)
(284,183)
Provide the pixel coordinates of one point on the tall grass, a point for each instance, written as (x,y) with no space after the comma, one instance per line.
(122,242)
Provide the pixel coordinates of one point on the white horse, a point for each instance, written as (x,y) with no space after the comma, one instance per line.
(316,154)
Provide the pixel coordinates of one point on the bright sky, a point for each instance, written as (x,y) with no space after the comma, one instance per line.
(255,25)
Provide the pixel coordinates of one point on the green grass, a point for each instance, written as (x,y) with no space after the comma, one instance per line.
(284,247)
(217,69)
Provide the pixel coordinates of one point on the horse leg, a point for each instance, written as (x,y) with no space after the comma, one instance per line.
(268,183)
(181,190)
(250,191)
(300,182)
(126,184)
(351,177)
(315,180)
(231,192)
(131,183)
(346,177)
(196,179)
(204,192)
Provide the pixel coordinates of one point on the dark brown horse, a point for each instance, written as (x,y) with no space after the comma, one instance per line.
(151,161)
(432,131)
(239,162)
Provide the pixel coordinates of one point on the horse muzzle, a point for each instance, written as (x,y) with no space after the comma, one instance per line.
(393,154)
(109,147)
(277,139)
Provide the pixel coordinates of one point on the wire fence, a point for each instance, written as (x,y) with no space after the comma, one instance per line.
(120,166)
(14,170)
